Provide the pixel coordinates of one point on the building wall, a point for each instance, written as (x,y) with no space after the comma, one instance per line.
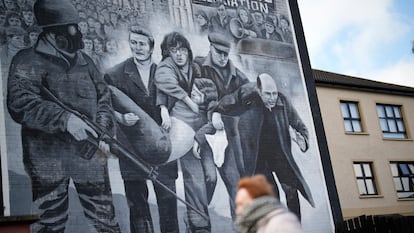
(370,146)
(192,178)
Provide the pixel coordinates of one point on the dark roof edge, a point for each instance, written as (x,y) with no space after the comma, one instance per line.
(23,219)
(330,79)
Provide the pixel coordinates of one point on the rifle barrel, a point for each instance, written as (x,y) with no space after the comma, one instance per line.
(152,174)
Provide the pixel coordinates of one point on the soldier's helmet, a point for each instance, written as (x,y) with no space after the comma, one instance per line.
(51,13)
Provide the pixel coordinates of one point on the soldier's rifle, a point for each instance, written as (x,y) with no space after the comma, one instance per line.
(118,149)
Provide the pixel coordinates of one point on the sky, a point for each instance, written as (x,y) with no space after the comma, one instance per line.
(370,39)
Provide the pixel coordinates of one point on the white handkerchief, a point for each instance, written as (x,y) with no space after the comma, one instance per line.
(218,144)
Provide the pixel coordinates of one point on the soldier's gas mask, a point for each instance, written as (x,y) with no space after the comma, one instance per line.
(68,37)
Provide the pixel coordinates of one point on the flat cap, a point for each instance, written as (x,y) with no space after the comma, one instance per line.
(219,41)
(141,29)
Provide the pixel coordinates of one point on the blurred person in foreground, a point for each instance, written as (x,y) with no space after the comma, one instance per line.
(258,211)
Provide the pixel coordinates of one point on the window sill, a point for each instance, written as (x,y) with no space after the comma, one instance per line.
(356,133)
(406,199)
(370,196)
(398,139)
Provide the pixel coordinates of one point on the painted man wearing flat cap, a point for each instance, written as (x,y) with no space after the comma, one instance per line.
(55,145)
(220,69)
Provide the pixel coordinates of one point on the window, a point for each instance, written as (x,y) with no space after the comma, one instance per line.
(403,175)
(365,178)
(350,113)
(391,121)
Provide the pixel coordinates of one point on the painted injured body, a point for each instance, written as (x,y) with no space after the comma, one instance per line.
(153,143)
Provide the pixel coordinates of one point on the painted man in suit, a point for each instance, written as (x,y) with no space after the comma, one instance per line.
(273,114)
(135,77)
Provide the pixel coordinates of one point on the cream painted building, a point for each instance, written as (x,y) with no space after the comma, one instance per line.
(369,128)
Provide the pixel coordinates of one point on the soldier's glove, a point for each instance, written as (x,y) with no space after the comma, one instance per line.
(79,129)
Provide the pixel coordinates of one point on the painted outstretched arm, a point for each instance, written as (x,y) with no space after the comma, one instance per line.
(238,102)
(190,103)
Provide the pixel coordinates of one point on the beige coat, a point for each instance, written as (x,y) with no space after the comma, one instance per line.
(279,221)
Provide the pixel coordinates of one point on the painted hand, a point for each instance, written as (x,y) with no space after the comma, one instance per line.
(129,119)
(79,129)
(196,150)
(104,147)
(165,117)
(300,140)
(217,122)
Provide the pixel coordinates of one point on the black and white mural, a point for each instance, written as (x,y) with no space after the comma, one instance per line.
(142,115)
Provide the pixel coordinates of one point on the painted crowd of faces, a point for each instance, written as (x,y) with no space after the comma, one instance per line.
(254,24)
(19,29)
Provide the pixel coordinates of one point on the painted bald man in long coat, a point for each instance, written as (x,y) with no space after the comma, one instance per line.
(269,138)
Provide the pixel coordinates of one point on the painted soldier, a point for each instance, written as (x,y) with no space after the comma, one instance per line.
(55,145)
